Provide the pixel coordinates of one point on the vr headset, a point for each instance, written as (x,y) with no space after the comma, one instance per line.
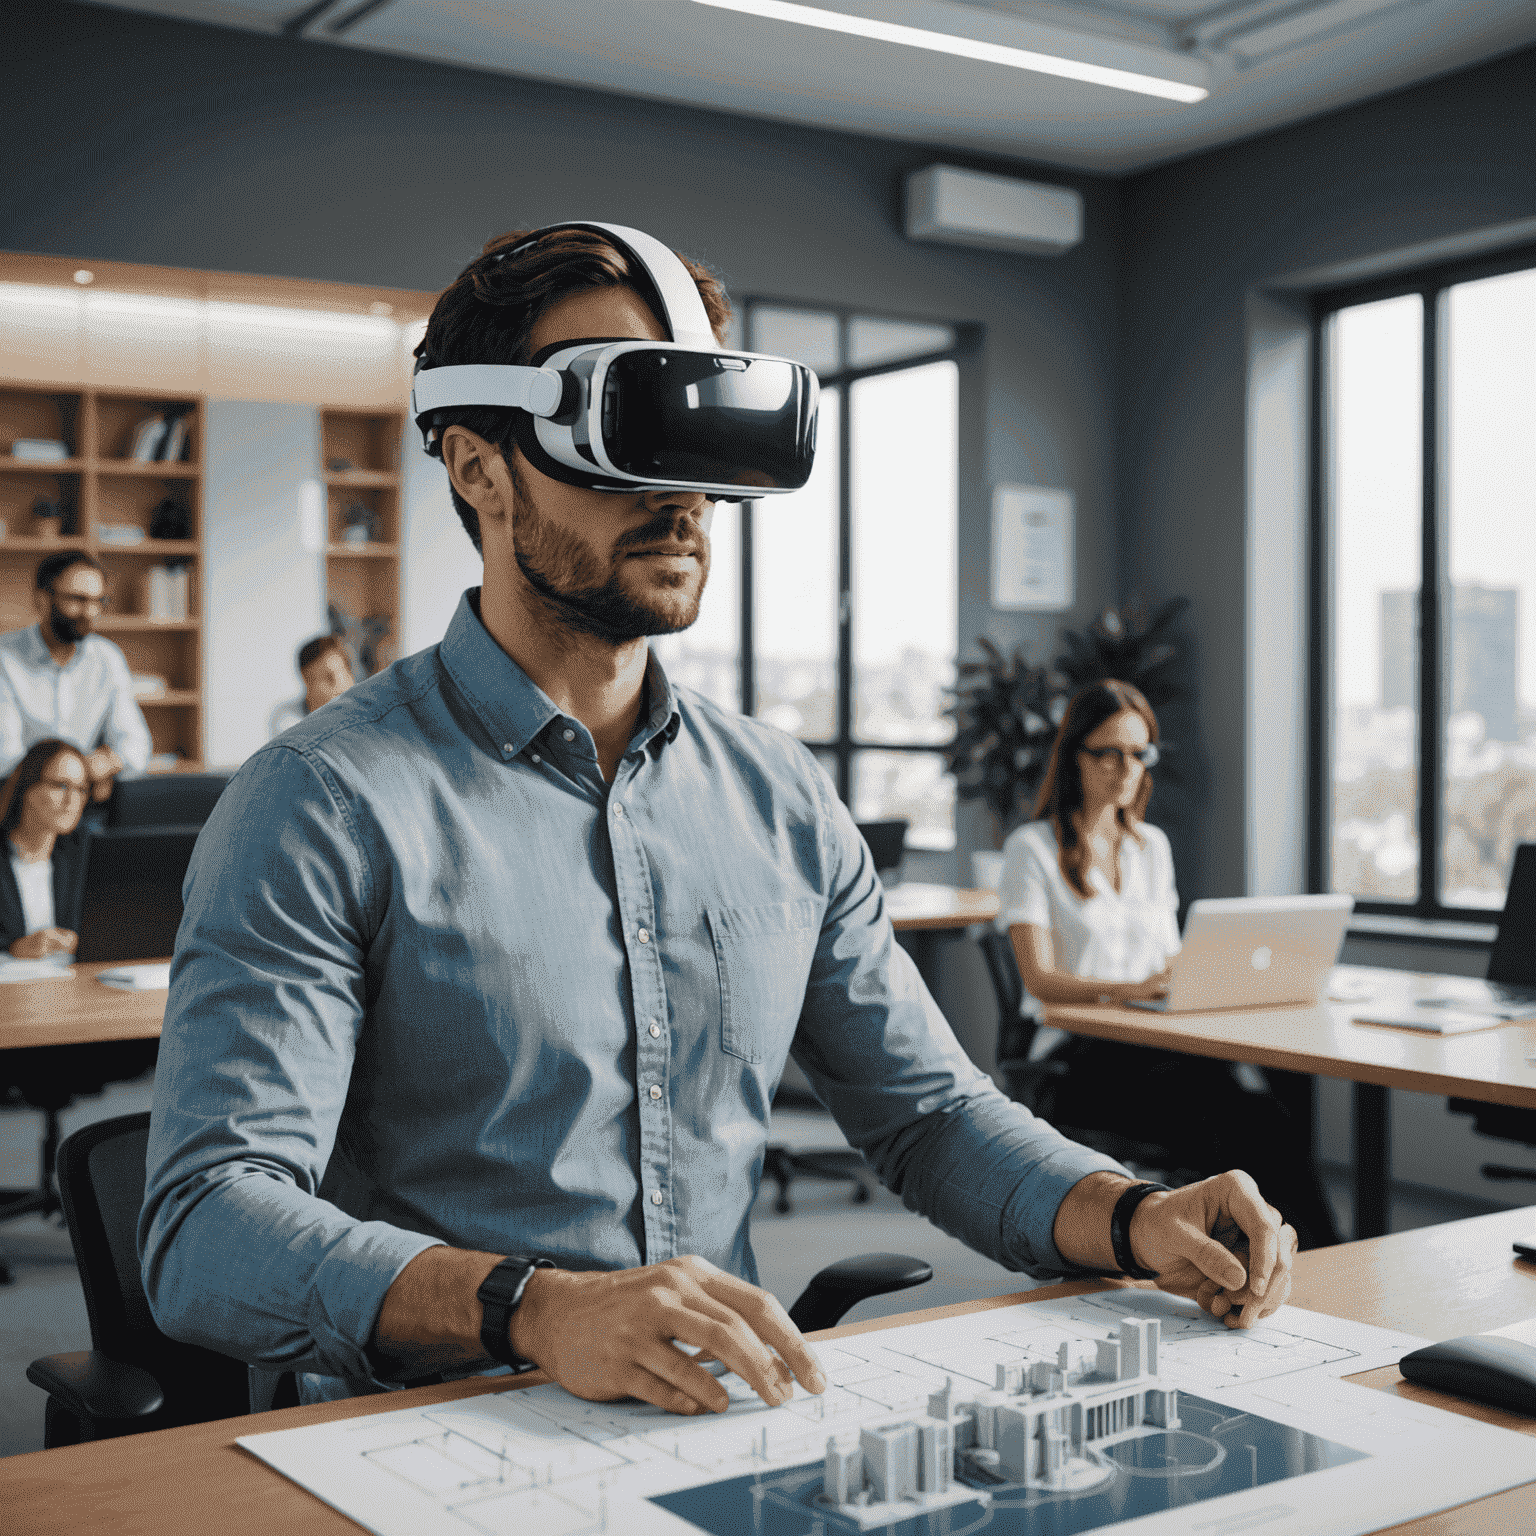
(617,414)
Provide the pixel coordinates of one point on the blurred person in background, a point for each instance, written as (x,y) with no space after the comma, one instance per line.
(43,877)
(59,679)
(326,669)
(1089,901)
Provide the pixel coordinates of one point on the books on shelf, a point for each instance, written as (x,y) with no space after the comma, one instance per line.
(148,435)
(167,592)
(161,439)
(119,535)
(147,685)
(40,450)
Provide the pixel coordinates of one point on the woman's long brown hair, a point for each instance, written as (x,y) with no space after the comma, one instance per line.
(26,773)
(1061,793)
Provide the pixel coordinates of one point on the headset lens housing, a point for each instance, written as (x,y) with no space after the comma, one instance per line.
(684,417)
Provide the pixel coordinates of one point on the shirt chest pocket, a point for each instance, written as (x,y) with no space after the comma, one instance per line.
(763,956)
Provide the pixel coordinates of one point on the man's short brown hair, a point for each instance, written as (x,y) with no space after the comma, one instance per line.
(322,645)
(488,316)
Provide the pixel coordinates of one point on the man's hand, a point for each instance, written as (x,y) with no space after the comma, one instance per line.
(1220,1242)
(1153,986)
(607,1335)
(103,765)
(45,942)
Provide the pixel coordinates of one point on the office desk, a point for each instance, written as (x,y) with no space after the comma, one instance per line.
(925,916)
(76,1011)
(1437,1282)
(1488,1066)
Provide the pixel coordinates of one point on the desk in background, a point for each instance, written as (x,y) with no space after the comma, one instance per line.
(76,1010)
(1489,1066)
(925,916)
(1437,1282)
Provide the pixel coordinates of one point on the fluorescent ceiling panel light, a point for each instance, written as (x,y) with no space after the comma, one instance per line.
(964,48)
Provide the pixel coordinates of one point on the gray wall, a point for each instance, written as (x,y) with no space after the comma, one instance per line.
(201,147)
(1205,238)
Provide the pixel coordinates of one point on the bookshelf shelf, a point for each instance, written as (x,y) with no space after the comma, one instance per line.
(99,486)
(362,581)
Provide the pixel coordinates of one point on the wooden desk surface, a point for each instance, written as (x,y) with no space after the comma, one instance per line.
(1489,1065)
(1437,1282)
(917,907)
(76,1010)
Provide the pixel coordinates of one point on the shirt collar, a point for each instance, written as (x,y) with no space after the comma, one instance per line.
(39,654)
(511,706)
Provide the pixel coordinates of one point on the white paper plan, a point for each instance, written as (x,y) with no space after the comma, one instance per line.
(1119,1409)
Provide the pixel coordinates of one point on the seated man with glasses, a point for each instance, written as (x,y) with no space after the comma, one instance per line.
(59,679)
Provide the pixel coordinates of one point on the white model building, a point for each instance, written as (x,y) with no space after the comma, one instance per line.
(1034,1428)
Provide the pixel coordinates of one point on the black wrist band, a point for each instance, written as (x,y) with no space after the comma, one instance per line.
(499,1296)
(1120,1230)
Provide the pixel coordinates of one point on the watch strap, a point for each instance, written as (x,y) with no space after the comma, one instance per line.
(499,1295)
(1120,1230)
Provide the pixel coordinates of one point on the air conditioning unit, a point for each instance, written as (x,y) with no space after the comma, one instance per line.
(954,207)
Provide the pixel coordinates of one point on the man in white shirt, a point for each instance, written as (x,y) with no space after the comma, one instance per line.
(59,679)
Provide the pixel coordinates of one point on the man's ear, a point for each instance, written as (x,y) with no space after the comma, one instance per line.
(478,472)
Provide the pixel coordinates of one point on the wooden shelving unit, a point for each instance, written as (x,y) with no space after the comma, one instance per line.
(100,484)
(360,464)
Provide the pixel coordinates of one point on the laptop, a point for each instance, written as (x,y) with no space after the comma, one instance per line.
(131,907)
(1255,952)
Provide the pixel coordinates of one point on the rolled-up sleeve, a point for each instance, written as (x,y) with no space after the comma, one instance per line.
(884,1060)
(125,729)
(239,1250)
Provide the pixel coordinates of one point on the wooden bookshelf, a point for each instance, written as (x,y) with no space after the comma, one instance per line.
(360,466)
(101,485)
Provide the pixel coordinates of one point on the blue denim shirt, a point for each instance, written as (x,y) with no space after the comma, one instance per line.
(437,982)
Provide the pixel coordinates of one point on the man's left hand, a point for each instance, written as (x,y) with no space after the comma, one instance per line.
(1220,1242)
(103,765)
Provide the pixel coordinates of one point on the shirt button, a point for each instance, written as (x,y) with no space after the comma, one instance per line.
(655,1030)
(507,746)
(535,756)
(644,936)
(618,810)
(569,735)
(655,1090)
(656,1197)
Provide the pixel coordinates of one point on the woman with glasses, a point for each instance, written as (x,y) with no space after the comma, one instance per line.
(1089,902)
(42,879)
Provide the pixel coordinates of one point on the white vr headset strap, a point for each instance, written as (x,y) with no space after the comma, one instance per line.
(535,390)
(685,313)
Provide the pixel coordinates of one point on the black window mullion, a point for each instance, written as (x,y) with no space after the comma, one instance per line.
(845,579)
(748,676)
(1433,614)
(1320,650)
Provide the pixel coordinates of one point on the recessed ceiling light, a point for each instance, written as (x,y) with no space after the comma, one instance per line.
(964,48)
(83,277)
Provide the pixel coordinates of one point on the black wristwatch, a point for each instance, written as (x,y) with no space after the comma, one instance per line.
(499,1295)
(1120,1230)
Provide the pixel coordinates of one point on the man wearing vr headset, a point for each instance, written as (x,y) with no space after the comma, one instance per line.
(489,969)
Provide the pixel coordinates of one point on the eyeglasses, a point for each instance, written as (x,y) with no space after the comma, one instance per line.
(1147,756)
(74,602)
(68,785)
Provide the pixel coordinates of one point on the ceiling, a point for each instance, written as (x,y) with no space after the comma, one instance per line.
(1266,62)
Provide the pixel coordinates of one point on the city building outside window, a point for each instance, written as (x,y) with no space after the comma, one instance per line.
(832,612)
(1424,714)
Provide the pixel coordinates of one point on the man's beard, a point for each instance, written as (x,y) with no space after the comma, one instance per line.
(67,631)
(568,576)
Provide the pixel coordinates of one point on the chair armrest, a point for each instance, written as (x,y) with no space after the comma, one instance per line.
(844,1284)
(94,1387)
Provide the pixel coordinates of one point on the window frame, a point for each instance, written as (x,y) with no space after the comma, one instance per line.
(844,745)
(1432,284)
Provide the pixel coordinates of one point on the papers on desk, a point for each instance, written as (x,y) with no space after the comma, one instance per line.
(1434,1019)
(51,969)
(914,898)
(137,978)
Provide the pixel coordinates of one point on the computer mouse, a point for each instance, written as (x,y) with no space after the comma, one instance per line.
(1482,1366)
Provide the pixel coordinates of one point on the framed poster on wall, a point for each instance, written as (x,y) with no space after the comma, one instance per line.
(1032,547)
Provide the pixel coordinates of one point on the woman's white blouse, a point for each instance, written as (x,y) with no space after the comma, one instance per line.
(1124,935)
(34,882)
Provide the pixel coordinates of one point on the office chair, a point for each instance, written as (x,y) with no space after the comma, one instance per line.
(887,842)
(161,799)
(134,1378)
(1511,962)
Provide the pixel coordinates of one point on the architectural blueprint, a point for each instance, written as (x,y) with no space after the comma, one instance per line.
(1115,1409)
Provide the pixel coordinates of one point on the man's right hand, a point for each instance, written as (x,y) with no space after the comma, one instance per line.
(606,1335)
(45,942)
(1153,986)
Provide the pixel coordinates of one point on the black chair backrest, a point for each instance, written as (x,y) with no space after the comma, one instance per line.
(1014,1031)
(165,799)
(1513,957)
(101,1185)
(132,903)
(887,840)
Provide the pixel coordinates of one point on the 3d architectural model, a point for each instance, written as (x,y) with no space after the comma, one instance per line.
(1044,1426)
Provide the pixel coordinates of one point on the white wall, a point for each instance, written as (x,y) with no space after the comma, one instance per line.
(265,594)
(439,561)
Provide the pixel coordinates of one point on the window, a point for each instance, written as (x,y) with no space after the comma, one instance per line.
(1425,565)
(832,612)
